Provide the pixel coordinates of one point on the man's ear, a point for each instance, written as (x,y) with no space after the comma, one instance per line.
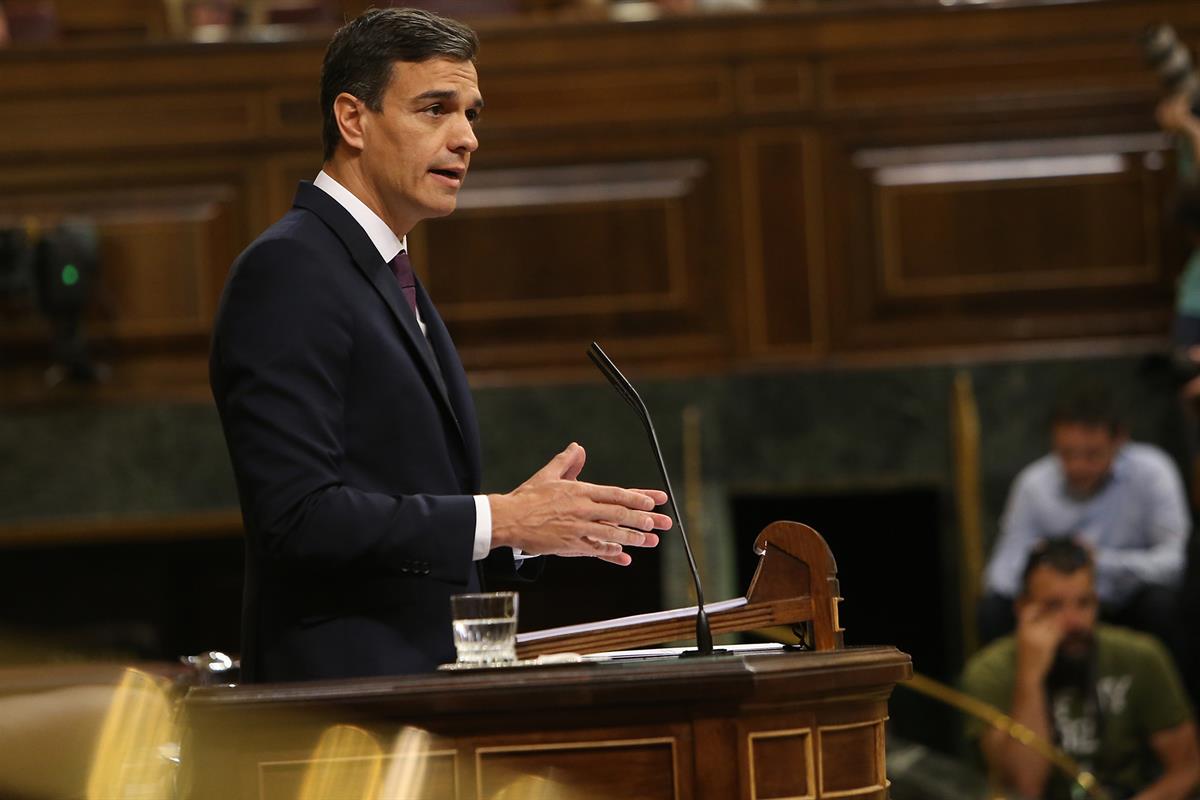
(350,113)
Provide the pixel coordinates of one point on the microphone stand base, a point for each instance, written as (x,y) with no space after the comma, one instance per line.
(716,651)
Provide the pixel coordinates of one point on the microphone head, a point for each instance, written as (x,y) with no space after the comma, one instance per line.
(618,381)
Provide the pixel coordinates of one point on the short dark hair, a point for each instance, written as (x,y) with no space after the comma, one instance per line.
(1089,404)
(361,54)
(1063,555)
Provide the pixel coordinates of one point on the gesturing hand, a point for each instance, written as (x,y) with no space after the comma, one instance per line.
(1038,635)
(552,513)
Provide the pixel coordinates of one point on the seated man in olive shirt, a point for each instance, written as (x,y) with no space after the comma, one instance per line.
(1109,697)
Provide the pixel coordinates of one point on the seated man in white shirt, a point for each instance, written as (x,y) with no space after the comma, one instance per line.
(1122,500)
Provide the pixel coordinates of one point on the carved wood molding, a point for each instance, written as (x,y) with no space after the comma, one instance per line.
(131,528)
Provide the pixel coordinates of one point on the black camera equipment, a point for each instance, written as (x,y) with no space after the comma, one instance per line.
(16,268)
(53,271)
(66,267)
(1173,62)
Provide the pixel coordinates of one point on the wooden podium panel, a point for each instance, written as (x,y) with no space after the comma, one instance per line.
(849,179)
(752,726)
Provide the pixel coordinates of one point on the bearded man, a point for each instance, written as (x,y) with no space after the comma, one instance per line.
(1111,698)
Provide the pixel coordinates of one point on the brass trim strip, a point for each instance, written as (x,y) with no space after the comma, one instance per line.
(578,745)
(968,497)
(381,757)
(809,760)
(876,726)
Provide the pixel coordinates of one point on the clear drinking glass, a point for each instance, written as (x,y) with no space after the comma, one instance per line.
(485,628)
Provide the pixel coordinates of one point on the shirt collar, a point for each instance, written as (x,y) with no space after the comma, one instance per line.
(385,241)
(1117,472)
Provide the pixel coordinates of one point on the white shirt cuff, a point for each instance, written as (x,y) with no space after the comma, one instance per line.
(483,528)
(483,532)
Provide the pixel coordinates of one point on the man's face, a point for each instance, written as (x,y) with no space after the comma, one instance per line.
(1086,453)
(1071,601)
(416,148)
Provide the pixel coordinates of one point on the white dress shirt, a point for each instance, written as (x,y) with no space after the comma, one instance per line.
(389,245)
(1137,523)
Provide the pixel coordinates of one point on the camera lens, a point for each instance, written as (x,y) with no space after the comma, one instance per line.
(1170,58)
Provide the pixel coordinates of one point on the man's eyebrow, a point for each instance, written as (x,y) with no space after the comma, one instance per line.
(445,94)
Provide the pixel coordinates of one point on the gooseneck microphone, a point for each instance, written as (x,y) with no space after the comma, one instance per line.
(704,645)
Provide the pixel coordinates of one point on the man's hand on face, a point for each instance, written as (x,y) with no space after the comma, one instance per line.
(552,513)
(1039,633)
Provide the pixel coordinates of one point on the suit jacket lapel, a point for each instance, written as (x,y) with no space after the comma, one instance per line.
(368,261)
(456,381)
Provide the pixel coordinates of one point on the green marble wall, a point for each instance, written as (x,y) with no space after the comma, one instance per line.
(769,432)
(112,461)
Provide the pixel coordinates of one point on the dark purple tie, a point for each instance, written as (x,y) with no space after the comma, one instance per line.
(402,269)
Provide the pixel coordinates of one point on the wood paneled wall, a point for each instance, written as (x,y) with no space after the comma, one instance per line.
(866,180)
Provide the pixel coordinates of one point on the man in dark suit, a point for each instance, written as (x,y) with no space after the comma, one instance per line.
(345,407)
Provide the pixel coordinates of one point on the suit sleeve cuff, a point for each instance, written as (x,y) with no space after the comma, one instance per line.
(483,528)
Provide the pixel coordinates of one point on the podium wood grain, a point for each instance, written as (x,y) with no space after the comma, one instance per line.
(762,726)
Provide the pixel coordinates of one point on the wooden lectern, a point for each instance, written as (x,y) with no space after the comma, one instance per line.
(743,726)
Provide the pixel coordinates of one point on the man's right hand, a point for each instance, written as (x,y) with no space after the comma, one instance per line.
(1038,635)
(1174,114)
(552,513)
